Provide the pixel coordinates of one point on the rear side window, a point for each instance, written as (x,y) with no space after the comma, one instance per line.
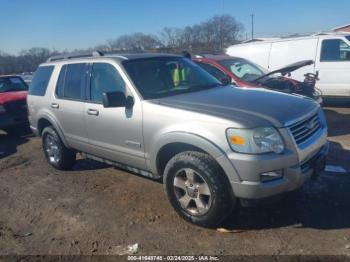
(71,81)
(334,50)
(40,80)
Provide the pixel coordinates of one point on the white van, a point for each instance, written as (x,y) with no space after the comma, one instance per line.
(330,51)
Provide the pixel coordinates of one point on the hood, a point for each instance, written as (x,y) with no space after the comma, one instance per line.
(12,96)
(287,69)
(247,107)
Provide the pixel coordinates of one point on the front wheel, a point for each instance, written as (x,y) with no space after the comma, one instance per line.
(56,153)
(198,189)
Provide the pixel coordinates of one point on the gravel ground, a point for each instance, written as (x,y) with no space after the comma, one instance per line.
(97,209)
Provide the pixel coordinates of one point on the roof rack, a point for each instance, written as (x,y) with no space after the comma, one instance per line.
(72,56)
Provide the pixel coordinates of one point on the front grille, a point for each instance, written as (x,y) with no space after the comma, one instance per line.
(17,108)
(303,130)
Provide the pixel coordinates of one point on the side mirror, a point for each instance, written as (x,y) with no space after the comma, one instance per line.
(225,80)
(114,99)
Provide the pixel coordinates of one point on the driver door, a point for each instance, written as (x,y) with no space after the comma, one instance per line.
(114,133)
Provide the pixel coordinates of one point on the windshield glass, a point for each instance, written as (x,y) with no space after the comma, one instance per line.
(244,69)
(8,84)
(166,76)
(348,37)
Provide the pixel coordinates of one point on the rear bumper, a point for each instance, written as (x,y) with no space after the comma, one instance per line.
(7,121)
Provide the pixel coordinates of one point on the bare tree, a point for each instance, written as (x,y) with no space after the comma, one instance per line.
(134,42)
(212,35)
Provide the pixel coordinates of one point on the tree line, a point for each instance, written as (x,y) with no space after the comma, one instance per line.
(210,36)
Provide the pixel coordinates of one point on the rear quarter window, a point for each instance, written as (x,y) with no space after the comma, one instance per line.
(40,81)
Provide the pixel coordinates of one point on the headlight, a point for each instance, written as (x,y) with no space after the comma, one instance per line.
(255,141)
(2,109)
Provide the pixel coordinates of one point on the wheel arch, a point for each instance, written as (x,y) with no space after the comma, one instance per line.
(47,120)
(175,142)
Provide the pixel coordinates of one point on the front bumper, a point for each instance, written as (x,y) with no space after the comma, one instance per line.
(293,178)
(7,120)
(297,166)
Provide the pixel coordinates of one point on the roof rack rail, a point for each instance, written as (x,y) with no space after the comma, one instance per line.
(76,55)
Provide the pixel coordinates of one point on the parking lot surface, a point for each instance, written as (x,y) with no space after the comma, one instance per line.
(98,209)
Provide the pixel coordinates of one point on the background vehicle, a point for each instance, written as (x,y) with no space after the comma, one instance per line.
(244,73)
(13,106)
(27,77)
(163,116)
(331,53)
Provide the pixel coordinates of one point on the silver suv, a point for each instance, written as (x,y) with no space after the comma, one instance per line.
(164,117)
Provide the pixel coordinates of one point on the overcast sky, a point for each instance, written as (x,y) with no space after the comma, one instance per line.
(69,24)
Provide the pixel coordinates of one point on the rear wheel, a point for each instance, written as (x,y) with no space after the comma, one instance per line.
(56,153)
(198,189)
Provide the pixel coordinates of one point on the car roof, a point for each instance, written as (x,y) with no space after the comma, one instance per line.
(99,55)
(321,35)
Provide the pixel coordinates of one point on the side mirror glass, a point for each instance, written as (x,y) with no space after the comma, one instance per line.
(114,99)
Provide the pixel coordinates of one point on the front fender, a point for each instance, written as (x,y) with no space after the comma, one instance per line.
(193,140)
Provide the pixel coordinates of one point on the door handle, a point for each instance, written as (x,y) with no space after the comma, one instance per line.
(92,112)
(55,105)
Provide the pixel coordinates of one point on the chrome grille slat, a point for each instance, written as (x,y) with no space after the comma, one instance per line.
(308,134)
(300,125)
(305,129)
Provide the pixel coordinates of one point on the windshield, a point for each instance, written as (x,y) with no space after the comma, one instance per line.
(8,84)
(348,37)
(166,76)
(244,69)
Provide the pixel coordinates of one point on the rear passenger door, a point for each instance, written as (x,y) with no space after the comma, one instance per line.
(68,104)
(114,133)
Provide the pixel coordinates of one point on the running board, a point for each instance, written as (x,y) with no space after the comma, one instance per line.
(122,166)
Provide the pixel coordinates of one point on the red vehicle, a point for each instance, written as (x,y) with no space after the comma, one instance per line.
(13,105)
(244,73)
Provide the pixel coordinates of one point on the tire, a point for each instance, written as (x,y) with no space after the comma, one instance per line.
(56,153)
(213,201)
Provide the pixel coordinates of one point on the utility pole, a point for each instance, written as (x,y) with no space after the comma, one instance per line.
(252,15)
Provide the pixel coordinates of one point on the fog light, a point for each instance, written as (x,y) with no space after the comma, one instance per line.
(272,175)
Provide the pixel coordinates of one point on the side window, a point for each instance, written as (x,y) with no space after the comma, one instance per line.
(60,82)
(71,81)
(104,78)
(40,80)
(335,50)
(217,73)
